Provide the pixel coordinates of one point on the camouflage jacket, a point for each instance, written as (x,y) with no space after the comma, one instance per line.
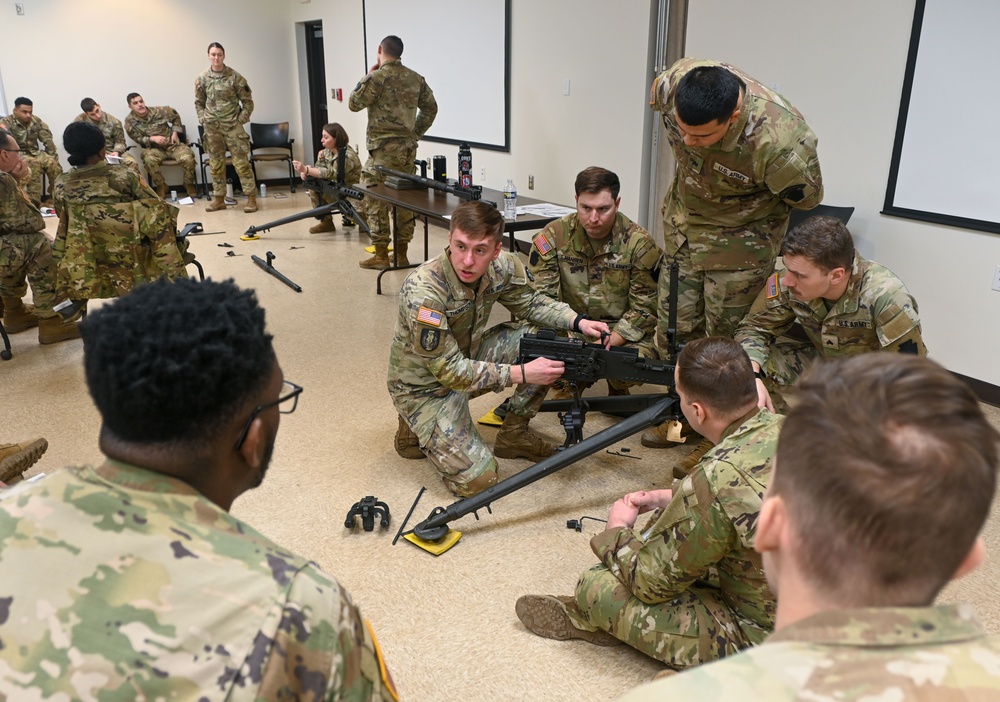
(400,105)
(17,214)
(159,121)
(111,128)
(613,280)
(114,233)
(908,654)
(326,162)
(442,321)
(730,201)
(153,592)
(222,99)
(28,135)
(875,312)
(710,523)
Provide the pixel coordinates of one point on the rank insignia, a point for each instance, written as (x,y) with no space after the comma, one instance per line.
(542,243)
(425,315)
(429,339)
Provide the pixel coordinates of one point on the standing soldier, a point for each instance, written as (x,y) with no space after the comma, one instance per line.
(111,128)
(224,104)
(401,108)
(157,130)
(744,156)
(28,131)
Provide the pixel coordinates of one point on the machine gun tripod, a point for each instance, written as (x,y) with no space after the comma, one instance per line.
(339,195)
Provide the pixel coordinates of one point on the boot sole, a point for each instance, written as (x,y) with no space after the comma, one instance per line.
(514,453)
(545,617)
(15,465)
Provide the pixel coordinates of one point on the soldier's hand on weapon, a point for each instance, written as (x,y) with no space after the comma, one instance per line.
(648,500)
(593,328)
(615,339)
(542,371)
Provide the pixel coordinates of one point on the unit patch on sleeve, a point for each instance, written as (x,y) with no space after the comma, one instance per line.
(429,339)
(425,315)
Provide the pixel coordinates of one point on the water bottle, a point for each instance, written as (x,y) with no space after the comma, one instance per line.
(464,165)
(263,190)
(510,201)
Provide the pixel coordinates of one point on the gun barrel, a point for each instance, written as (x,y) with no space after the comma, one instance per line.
(467,193)
(273,271)
(436,525)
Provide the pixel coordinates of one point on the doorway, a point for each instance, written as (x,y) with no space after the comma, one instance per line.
(316,80)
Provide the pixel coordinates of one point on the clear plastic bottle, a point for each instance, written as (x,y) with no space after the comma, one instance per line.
(510,200)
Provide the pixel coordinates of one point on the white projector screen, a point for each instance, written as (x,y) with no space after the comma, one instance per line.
(461,50)
(946,156)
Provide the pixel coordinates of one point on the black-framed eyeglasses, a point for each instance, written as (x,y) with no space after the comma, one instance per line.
(287,401)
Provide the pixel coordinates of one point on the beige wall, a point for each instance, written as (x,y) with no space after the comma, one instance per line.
(842,63)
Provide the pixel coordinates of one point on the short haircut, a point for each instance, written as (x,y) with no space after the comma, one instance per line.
(82,140)
(88,104)
(6,138)
(706,94)
(716,371)
(825,241)
(392,46)
(130,97)
(23,101)
(887,467)
(596,180)
(478,219)
(338,133)
(215,45)
(173,363)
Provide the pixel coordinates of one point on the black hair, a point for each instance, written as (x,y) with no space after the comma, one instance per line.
(392,46)
(129,98)
(706,94)
(216,45)
(82,140)
(87,104)
(23,101)
(174,362)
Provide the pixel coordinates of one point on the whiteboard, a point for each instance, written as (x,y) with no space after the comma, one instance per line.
(461,50)
(946,159)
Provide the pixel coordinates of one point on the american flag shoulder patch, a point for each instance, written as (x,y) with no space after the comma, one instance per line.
(542,243)
(772,287)
(426,315)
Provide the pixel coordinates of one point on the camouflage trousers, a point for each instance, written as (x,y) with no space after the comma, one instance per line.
(40,162)
(693,628)
(787,360)
(154,157)
(709,303)
(397,154)
(444,425)
(234,139)
(28,257)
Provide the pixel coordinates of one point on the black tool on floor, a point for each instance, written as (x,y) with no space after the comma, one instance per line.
(268,268)
(622,454)
(368,508)
(408,515)
(225,245)
(192,228)
(578,523)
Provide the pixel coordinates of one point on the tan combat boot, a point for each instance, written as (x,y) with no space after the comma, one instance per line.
(401,259)
(217,203)
(53,329)
(192,190)
(251,203)
(548,616)
(17,316)
(516,440)
(687,464)
(17,458)
(666,435)
(324,225)
(406,442)
(380,261)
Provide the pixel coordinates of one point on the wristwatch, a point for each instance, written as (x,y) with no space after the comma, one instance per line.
(759,374)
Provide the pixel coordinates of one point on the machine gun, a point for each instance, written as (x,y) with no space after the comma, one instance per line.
(337,192)
(584,363)
(473,193)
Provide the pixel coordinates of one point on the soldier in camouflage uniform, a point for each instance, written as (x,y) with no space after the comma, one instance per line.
(688,588)
(602,263)
(334,139)
(744,156)
(29,131)
(224,103)
(840,302)
(401,108)
(158,131)
(113,131)
(114,232)
(26,255)
(442,352)
(153,590)
(885,473)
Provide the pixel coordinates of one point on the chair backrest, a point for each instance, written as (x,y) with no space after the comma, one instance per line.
(269,135)
(799,216)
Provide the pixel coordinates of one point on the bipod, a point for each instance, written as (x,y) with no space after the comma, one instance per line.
(268,268)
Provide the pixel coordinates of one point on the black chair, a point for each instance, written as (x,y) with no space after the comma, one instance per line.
(274,138)
(799,216)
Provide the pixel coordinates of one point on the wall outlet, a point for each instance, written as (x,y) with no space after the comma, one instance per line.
(482,174)
(996,279)
(19,6)
(531,182)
